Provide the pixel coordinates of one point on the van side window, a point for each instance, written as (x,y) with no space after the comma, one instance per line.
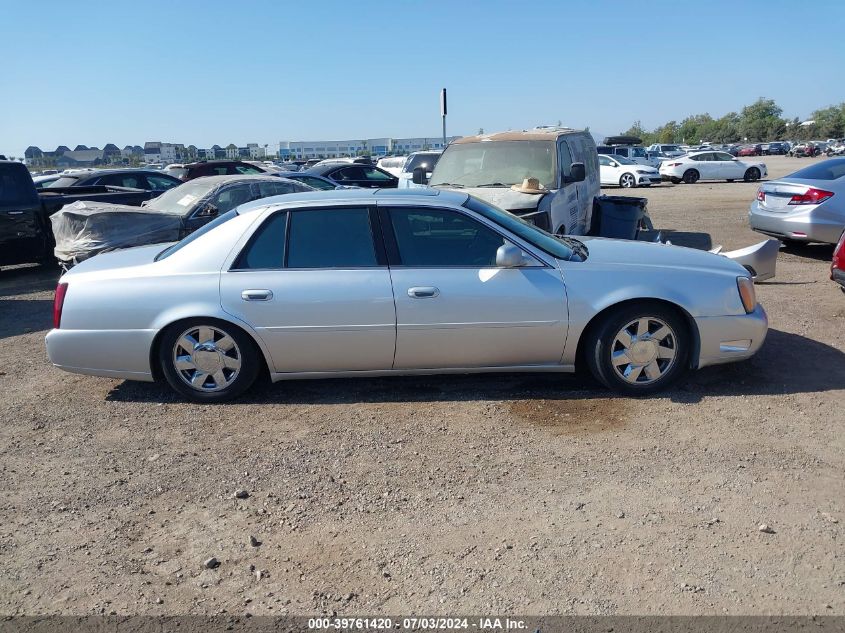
(564,158)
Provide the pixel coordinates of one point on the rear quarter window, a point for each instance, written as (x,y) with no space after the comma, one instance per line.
(826,170)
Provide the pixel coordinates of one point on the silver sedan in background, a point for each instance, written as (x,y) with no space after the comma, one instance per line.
(381,282)
(807,206)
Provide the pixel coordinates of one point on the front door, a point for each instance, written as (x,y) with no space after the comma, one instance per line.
(317,290)
(455,308)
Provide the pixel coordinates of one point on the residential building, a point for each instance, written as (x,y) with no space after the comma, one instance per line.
(255,151)
(232,151)
(80,158)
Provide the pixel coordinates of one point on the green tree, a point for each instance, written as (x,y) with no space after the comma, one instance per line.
(758,118)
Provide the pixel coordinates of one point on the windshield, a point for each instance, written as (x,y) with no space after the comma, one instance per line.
(560,247)
(496,163)
(623,160)
(825,170)
(180,198)
(167,252)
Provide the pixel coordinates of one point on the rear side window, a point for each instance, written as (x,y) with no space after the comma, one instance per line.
(330,238)
(267,248)
(826,170)
(315,182)
(124,180)
(16,185)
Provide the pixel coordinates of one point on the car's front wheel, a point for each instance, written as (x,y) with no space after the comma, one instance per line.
(639,349)
(752,174)
(691,176)
(208,360)
(627,181)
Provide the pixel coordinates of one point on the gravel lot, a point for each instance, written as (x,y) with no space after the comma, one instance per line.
(443,495)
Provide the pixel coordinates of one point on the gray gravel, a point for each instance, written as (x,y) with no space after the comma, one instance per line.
(514,493)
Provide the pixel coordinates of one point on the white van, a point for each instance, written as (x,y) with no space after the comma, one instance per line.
(563,161)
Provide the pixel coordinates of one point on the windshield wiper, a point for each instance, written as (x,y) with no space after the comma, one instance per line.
(448,184)
(493,184)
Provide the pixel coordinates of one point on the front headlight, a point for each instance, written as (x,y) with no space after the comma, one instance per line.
(746,293)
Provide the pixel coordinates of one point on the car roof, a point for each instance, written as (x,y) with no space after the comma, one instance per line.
(211,180)
(423,195)
(107,172)
(325,168)
(536,134)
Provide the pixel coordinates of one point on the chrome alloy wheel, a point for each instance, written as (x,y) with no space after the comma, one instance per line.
(643,351)
(206,358)
(627,181)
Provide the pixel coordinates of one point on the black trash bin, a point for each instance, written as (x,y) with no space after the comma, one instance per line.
(619,217)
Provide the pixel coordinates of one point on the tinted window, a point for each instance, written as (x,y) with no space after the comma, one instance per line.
(317,183)
(231,197)
(65,181)
(16,185)
(277,188)
(246,169)
(826,170)
(419,160)
(266,250)
(348,174)
(336,238)
(723,156)
(123,180)
(437,237)
(160,183)
(371,173)
(702,157)
(621,151)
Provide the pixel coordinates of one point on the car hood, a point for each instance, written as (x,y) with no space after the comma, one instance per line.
(505,197)
(630,254)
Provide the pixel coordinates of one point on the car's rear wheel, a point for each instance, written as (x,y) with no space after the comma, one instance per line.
(208,360)
(691,176)
(639,349)
(627,181)
(752,174)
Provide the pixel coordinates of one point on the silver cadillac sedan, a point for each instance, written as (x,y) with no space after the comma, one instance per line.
(388,282)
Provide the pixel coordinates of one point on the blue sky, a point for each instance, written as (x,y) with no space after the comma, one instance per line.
(210,71)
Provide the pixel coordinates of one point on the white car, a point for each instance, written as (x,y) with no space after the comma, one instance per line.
(666,149)
(697,166)
(621,171)
(392,164)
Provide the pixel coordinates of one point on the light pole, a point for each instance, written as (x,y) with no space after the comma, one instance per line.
(443,114)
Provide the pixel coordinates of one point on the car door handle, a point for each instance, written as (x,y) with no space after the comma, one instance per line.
(423,292)
(257,295)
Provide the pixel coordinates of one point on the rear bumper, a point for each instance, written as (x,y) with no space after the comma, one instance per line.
(726,339)
(818,224)
(110,353)
(839,277)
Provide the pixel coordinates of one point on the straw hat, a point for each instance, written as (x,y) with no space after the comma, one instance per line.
(530,185)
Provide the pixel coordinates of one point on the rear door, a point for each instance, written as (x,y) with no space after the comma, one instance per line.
(455,308)
(316,287)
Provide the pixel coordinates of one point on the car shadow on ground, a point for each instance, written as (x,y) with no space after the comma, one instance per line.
(23,280)
(22,316)
(787,363)
(819,252)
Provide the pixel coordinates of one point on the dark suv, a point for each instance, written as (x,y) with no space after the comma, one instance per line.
(775,148)
(214,168)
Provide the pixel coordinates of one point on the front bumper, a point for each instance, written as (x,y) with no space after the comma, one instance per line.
(816,224)
(726,339)
(649,179)
(110,353)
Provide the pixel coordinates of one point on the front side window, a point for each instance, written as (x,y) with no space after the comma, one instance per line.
(231,197)
(161,184)
(330,238)
(439,237)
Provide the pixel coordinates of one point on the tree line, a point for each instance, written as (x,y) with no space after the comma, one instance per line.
(760,121)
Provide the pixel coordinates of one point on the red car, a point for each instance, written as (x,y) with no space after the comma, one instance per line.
(837,266)
(751,150)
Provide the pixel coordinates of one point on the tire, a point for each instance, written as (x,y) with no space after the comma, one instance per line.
(627,181)
(675,181)
(730,179)
(225,369)
(644,369)
(691,176)
(752,174)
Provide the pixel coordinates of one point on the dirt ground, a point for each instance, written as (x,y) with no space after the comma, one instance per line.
(450,495)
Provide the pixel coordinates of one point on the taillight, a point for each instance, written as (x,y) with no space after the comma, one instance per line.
(58,304)
(761,196)
(811,196)
(675,164)
(838,262)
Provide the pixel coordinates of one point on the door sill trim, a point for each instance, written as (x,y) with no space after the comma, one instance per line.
(373,373)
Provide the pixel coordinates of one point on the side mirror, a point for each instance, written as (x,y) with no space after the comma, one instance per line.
(509,256)
(419,177)
(207,211)
(577,173)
